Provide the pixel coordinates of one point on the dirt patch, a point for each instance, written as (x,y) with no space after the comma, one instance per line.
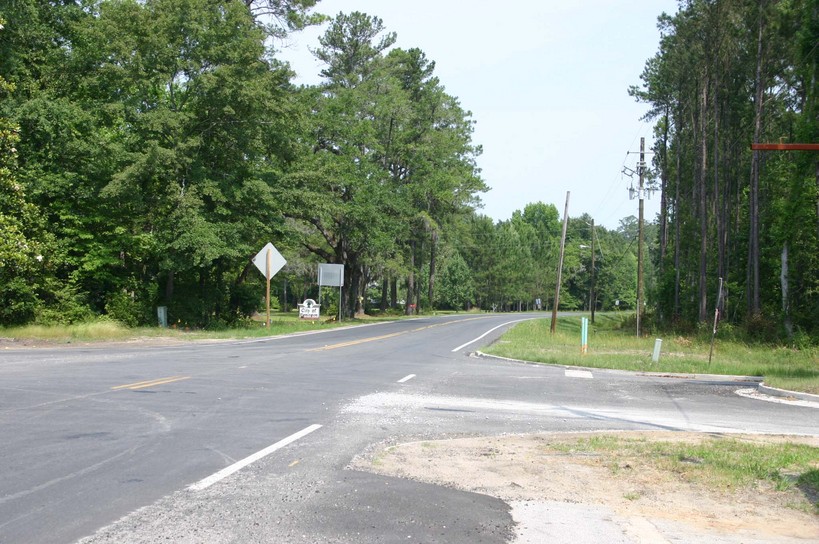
(533,468)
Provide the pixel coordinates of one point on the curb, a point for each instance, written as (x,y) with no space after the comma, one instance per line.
(774,392)
(710,377)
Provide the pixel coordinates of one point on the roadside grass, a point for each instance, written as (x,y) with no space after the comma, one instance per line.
(112,331)
(106,330)
(612,347)
(719,463)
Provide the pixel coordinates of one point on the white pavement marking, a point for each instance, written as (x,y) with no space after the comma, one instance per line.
(489,331)
(578,374)
(406,378)
(239,465)
(752,393)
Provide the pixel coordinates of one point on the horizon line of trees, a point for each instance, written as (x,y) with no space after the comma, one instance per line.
(152,147)
(148,149)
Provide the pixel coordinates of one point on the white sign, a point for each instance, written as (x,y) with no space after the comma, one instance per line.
(309,309)
(276,261)
(331,275)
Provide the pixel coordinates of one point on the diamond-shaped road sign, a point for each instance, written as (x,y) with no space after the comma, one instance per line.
(276,261)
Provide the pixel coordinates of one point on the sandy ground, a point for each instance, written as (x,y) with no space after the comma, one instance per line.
(578,497)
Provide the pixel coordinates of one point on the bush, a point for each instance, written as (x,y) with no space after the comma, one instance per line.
(761,329)
(802,340)
(130,309)
(67,306)
(245,300)
(18,302)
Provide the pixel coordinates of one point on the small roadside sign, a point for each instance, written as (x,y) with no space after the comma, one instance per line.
(309,309)
(331,275)
(277,262)
(269,261)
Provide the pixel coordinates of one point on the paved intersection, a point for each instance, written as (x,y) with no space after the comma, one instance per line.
(110,444)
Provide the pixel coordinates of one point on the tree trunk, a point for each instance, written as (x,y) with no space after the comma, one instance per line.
(677,226)
(169,287)
(394,292)
(718,195)
(703,203)
(385,287)
(432,261)
(361,291)
(786,303)
(417,298)
(245,271)
(754,305)
(349,291)
(664,195)
(408,305)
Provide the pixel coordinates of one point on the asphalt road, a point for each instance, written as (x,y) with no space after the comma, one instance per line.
(126,444)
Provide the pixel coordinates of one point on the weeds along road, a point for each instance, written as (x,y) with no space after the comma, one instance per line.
(248,441)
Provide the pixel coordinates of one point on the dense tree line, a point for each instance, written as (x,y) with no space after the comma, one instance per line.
(148,149)
(151,147)
(728,74)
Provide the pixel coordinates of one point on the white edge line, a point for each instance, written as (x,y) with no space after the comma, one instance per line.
(406,378)
(489,331)
(227,471)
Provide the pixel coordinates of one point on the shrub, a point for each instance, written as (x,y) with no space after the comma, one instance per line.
(66,306)
(130,309)
(18,302)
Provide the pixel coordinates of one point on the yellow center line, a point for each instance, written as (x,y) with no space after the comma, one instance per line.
(384,337)
(151,383)
(356,342)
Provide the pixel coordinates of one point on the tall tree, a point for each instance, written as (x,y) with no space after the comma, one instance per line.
(726,69)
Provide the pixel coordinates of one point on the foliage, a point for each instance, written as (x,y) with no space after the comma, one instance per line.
(456,289)
(386,160)
(153,155)
(20,249)
(727,74)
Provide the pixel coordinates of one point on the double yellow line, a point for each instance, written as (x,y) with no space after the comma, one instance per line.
(374,338)
(150,383)
(356,342)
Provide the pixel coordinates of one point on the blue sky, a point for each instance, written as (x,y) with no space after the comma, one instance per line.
(546,83)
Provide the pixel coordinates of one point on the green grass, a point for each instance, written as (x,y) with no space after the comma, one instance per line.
(612,347)
(718,463)
(111,331)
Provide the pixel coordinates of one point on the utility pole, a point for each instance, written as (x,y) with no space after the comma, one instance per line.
(593,301)
(641,192)
(641,167)
(560,264)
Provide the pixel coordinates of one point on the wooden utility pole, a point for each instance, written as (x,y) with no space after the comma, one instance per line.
(641,171)
(593,299)
(560,264)
(268,275)
(716,320)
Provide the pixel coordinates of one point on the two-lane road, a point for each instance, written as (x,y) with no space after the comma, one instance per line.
(248,441)
(90,434)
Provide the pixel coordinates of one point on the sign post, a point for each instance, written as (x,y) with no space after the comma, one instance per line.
(269,261)
(331,275)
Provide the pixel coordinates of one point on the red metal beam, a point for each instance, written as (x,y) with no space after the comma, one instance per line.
(785,147)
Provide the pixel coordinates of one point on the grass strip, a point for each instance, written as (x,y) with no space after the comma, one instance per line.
(112,331)
(720,463)
(614,348)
